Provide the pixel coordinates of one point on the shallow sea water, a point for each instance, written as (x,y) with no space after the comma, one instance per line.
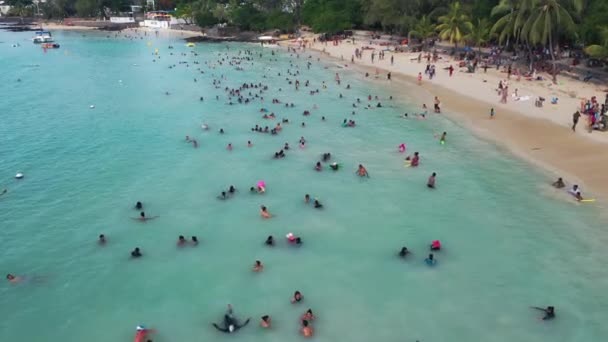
(509,242)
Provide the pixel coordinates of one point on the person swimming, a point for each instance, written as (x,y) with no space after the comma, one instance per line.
(362,172)
(230,324)
(297,297)
(307,198)
(435,245)
(265,322)
(222,196)
(334,166)
(414,160)
(431,182)
(181,241)
(431,261)
(269,241)
(326,157)
(318,166)
(142,217)
(549,312)
(258,267)
(403,252)
(306,330)
(264,212)
(102,239)
(13,279)
(442,139)
(194,240)
(221,131)
(318,204)
(308,316)
(141,333)
(136,253)
(559,183)
(576,192)
(139,206)
(232,190)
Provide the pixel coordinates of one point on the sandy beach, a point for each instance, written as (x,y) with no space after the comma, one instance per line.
(541,136)
(167,33)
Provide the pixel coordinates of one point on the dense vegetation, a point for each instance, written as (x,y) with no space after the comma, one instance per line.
(529,23)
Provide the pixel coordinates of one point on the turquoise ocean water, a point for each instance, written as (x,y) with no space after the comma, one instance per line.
(509,241)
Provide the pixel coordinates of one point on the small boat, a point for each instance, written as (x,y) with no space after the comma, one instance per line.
(268,41)
(50,45)
(42,37)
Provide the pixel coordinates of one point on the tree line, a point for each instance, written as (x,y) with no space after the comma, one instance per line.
(532,23)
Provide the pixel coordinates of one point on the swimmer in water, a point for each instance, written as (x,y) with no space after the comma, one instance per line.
(3,192)
(136,253)
(264,212)
(318,166)
(249,144)
(195,240)
(431,182)
(142,217)
(231,190)
(318,204)
(258,267)
(269,241)
(435,245)
(307,198)
(442,139)
(221,131)
(142,333)
(308,316)
(222,196)
(549,312)
(576,192)
(306,329)
(559,183)
(13,279)
(229,147)
(230,324)
(403,252)
(181,241)
(430,260)
(297,297)
(102,239)
(139,206)
(415,160)
(334,166)
(362,172)
(265,322)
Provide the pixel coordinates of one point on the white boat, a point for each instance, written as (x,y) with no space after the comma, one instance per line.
(42,37)
(268,41)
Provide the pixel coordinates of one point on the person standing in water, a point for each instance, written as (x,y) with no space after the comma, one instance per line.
(431,182)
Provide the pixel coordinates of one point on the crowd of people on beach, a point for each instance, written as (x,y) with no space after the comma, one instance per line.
(247,93)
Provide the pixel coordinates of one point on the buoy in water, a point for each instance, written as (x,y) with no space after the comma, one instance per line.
(19,175)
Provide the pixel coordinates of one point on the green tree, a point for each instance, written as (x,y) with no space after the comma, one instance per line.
(185,11)
(455,25)
(21,7)
(424,29)
(87,8)
(331,15)
(548,19)
(599,50)
(480,33)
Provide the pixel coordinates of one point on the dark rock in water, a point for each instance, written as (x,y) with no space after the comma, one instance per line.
(237,37)
(19,28)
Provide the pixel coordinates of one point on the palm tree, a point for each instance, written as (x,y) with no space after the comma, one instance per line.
(423,29)
(547,19)
(601,50)
(480,33)
(455,25)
